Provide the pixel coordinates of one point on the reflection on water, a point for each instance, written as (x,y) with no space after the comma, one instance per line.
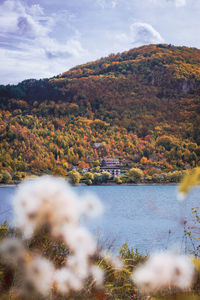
(146,216)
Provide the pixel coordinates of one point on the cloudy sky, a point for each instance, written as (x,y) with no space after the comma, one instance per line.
(43,38)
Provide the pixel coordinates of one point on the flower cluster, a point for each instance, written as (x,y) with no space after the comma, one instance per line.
(52,202)
(164,270)
(113,260)
(12,251)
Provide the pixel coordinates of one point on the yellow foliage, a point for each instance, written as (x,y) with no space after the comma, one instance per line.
(191,179)
(196,263)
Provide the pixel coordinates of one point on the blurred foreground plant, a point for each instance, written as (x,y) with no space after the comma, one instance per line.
(191,179)
(117,269)
(170,275)
(49,255)
(47,218)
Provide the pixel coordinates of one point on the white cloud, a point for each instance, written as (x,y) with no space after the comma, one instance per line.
(45,58)
(180,3)
(107,3)
(177,3)
(122,37)
(101,3)
(137,35)
(143,33)
(114,3)
(36,10)
(20,20)
(28,48)
(71,47)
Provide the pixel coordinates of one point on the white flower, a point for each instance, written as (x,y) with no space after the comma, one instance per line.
(12,251)
(163,270)
(75,283)
(39,273)
(45,200)
(65,280)
(79,239)
(97,274)
(114,260)
(51,201)
(90,205)
(184,272)
(181,196)
(79,264)
(61,277)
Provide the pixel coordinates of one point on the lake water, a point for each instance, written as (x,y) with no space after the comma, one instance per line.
(148,217)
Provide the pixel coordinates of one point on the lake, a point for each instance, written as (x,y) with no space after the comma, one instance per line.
(148,217)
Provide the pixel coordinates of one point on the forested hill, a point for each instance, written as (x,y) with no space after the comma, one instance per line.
(142,106)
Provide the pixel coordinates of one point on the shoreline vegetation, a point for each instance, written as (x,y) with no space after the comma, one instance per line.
(103,184)
(87,177)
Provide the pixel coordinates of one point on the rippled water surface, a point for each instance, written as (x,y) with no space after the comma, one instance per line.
(148,217)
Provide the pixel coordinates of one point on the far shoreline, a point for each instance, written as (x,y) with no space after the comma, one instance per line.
(4,185)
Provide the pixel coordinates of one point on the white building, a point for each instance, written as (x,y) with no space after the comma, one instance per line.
(97,145)
(114,171)
(111,161)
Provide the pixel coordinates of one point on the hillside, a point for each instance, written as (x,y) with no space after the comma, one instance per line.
(142,106)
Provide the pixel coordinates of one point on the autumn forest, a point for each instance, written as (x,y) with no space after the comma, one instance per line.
(141,106)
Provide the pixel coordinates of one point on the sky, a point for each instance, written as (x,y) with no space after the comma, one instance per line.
(43,38)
